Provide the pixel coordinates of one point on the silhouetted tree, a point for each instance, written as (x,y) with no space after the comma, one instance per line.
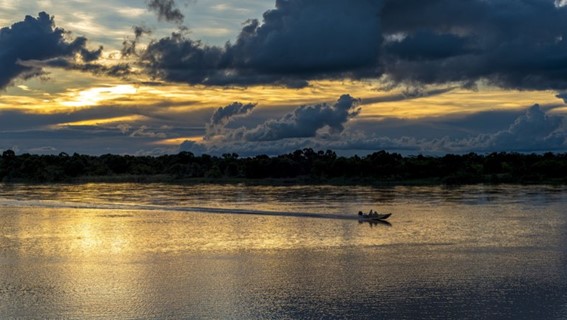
(376,167)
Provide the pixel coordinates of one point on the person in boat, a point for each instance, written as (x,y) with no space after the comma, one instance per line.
(371,214)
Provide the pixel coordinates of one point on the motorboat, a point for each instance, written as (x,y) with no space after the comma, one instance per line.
(373,216)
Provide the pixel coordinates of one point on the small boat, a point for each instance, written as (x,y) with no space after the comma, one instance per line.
(373,217)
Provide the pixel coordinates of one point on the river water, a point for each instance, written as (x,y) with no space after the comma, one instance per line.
(160,251)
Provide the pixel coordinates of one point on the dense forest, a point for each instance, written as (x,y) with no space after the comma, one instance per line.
(301,166)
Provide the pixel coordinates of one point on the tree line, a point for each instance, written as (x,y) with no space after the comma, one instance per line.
(305,165)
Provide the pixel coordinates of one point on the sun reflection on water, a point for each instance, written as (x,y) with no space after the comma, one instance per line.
(444,246)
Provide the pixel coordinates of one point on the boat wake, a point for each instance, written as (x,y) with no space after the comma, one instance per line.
(54,204)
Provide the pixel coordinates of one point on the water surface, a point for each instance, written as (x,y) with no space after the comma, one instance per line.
(141,251)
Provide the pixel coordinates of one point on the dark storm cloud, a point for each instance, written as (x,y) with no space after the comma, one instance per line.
(518,44)
(179,59)
(297,41)
(311,37)
(37,39)
(121,70)
(513,44)
(425,45)
(166,10)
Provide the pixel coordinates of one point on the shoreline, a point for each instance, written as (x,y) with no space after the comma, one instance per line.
(298,181)
(302,167)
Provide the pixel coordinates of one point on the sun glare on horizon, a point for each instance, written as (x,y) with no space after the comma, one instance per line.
(93,96)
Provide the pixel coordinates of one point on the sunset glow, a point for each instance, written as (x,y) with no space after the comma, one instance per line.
(141,77)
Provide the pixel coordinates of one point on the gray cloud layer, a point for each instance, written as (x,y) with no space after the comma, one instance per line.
(248,130)
(535,130)
(303,122)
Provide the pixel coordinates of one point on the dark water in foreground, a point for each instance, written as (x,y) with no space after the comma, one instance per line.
(133,251)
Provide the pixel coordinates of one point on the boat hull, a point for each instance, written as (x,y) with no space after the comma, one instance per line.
(379,217)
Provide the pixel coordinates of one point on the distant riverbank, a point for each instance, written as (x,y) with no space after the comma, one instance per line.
(302,167)
(298,181)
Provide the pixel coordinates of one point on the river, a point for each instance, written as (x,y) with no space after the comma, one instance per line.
(149,251)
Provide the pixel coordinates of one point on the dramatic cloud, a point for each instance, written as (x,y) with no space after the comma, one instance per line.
(303,122)
(297,41)
(36,39)
(27,46)
(223,115)
(535,130)
(512,44)
(427,45)
(166,10)
(118,70)
(322,121)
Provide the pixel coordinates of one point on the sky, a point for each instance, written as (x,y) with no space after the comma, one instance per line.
(152,77)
